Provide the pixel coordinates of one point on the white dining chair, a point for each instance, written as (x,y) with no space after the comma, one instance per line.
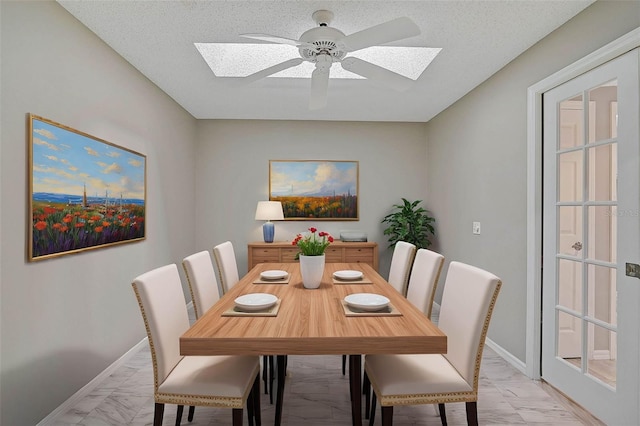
(401,262)
(468,300)
(421,291)
(202,281)
(423,280)
(213,381)
(399,272)
(225,258)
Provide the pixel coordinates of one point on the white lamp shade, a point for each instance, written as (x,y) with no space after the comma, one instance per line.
(269,210)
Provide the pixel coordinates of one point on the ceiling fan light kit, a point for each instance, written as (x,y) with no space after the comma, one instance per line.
(324,45)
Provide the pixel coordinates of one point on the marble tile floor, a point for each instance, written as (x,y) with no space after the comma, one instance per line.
(317,394)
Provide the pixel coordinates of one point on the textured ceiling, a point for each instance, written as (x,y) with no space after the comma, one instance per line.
(477,37)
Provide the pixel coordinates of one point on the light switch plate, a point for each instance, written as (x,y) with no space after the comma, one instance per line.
(632,270)
(476,228)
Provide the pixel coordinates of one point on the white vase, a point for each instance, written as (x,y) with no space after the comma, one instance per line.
(312,269)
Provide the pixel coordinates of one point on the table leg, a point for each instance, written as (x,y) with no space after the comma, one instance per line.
(281,370)
(355,382)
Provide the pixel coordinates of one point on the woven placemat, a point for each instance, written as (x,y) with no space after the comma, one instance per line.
(234,311)
(389,311)
(363,280)
(280,281)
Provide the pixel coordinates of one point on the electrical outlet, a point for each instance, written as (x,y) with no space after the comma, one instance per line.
(476,228)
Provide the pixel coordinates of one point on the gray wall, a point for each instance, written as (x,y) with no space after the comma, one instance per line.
(477,152)
(64,320)
(233,175)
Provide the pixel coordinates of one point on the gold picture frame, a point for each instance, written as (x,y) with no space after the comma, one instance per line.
(84,192)
(315,189)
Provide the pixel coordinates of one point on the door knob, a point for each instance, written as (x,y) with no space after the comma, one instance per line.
(577,246)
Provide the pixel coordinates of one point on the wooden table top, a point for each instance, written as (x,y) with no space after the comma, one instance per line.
(312,321)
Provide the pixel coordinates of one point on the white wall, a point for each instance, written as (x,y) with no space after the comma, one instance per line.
(477,152)
(232,175)
(65,319)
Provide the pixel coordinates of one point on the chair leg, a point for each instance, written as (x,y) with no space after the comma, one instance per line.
(344,364)
(256,401)
(472,413)
(192,410)
(236,415)
(443,414)
(372,414)
(387,415)
(265,371)
(250,407)
(272,377)
(179,415)
(366,390)
(158,414)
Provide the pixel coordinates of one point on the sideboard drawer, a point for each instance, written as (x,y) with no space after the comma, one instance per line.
(289,254)
(336,252)
(262,256)
(351,254)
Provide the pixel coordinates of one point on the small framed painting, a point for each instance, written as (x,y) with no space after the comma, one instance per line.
(315,189)
(84,192)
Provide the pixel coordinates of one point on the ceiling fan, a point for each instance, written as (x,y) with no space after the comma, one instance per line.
(325,45)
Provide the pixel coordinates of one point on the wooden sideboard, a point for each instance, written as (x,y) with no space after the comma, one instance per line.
(338,251)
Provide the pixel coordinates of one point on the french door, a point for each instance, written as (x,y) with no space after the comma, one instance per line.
(591,240)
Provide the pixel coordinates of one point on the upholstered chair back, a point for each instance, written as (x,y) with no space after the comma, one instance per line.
(203,284)
(425,273)
(467,304)
(163,307)
(227,265)
(401,262)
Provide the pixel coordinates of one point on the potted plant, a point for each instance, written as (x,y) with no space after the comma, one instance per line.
(409,223)
(311,256)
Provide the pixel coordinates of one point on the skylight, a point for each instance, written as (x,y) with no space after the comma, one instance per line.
(243,59)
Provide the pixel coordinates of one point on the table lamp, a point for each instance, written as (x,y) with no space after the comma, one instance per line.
(269,210)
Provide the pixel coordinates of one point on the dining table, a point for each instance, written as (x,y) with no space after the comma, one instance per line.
(313,322)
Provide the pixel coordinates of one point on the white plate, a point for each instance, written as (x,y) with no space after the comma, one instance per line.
(273,275)
(367,301)
(255,301)
(348,275)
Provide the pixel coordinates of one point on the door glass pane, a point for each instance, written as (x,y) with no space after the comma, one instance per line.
(571,116)
(570,284)
(602,173)
(602,237)
(570,176)
(602,294)
(601,363)
(569,337)
(570,229)
(600,123)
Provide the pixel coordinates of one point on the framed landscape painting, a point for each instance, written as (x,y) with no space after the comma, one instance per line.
(315,189)
(84,192)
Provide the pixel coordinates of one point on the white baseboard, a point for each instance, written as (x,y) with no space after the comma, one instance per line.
(507,356)
(601,354)
(89,387)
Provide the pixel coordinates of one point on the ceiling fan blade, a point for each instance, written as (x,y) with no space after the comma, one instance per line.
(397,29)
(271,70)
(377,73)
(280,40)
(319,86)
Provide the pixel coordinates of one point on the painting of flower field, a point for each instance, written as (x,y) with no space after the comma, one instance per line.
(315,190)
(85,192)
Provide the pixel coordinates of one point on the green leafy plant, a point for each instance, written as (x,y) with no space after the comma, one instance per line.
(409,223)
(312,244)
